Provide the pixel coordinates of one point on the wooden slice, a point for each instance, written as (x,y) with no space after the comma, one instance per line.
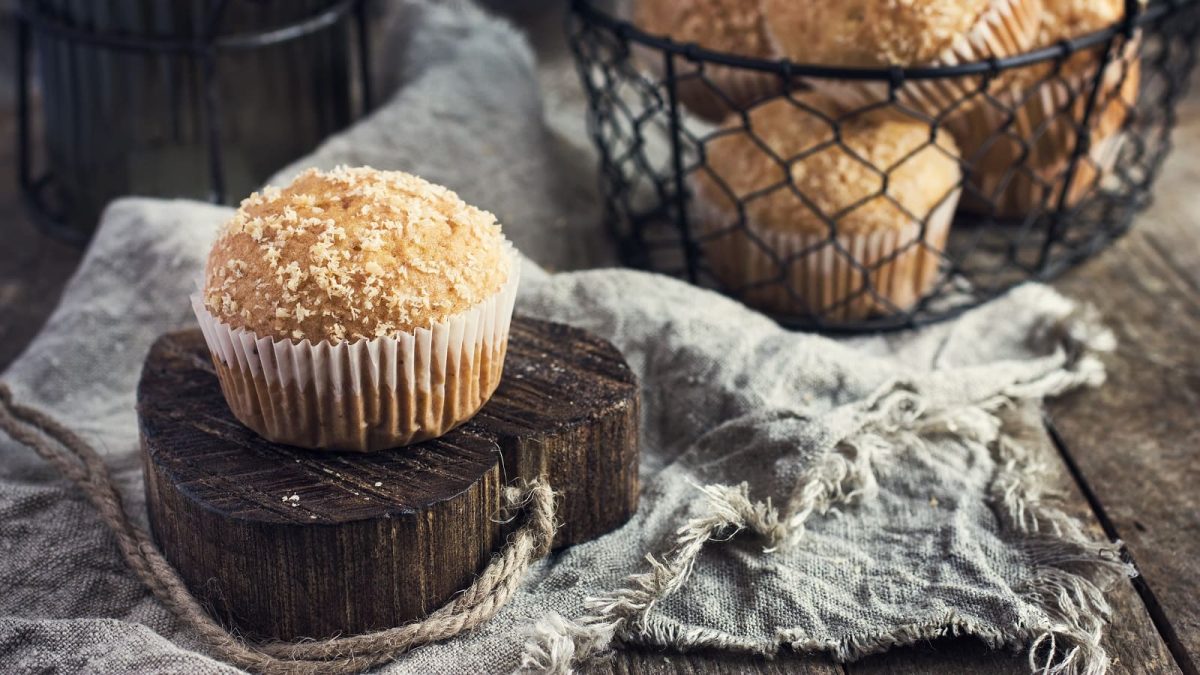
(567,410)
(286,543)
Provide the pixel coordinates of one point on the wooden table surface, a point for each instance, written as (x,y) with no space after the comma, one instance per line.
(1130,451)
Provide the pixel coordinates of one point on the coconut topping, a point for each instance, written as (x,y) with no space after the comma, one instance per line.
(871,32)
(1064,19)
(727,25)
(352,253)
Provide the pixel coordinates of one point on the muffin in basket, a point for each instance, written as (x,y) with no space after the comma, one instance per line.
(885,33)
(728,26)
(1020,146)
(357,310)
(797,222)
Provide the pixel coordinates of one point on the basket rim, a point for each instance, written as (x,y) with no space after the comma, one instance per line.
(1156,10)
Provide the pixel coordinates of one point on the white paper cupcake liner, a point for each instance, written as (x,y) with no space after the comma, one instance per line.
(819,279)
(1047,118)
(1006,28)
(366,395)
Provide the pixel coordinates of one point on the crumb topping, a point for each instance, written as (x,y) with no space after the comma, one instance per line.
(844,181)
(734,26)
(352,253)
(1065,19)
(867,33)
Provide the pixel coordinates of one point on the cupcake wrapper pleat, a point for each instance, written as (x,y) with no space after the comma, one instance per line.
(1014,179)
(802,274)
(367,395)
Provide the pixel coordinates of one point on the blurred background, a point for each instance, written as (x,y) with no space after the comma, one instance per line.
(143,119)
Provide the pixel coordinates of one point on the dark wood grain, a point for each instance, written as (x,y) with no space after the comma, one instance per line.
(570,417)
(285,542)
(288,543)
(1136,441)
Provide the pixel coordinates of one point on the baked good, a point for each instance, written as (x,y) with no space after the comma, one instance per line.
(357,309)
(885,33)
(797,222)
(1020,146)
(727,26)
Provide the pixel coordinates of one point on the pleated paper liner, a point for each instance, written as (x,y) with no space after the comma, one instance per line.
(1019,161)
(820,280)
(1038,189)
(367,395)
(1006,28)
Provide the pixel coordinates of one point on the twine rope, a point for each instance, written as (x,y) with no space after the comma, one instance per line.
(76,460)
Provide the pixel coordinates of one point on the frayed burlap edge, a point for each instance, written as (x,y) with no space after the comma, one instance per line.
(1070,571)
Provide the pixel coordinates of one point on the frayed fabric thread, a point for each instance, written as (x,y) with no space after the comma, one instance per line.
(1070,571)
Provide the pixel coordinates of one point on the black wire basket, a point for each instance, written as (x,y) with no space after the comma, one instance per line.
(777,183)
(187,98)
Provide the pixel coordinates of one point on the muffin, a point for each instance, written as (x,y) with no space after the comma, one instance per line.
(357,310)
(859,229)
(1020,148)
(728,26)
(885,33)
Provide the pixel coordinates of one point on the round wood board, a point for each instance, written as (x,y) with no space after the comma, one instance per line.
(285,543)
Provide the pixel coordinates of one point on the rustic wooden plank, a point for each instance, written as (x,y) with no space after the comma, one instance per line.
(1136,441)
(567,411)
(949,655)
(285,542)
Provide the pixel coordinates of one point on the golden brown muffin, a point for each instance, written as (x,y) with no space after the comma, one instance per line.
(727,26)
(865,33)
(1066,19)
(780,252)
(834,177)
(734,26)
(881,33)
(352,253)
(1020,160)
(1063,19)
(357,310)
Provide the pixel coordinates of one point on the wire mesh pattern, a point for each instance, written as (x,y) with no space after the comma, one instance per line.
(866,199)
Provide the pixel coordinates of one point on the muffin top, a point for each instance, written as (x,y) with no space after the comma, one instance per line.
(837,178)
(868,33)
(352,253)
(1065,19)
(734,26)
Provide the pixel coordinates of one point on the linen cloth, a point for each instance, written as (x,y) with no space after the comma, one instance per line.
(844,496)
